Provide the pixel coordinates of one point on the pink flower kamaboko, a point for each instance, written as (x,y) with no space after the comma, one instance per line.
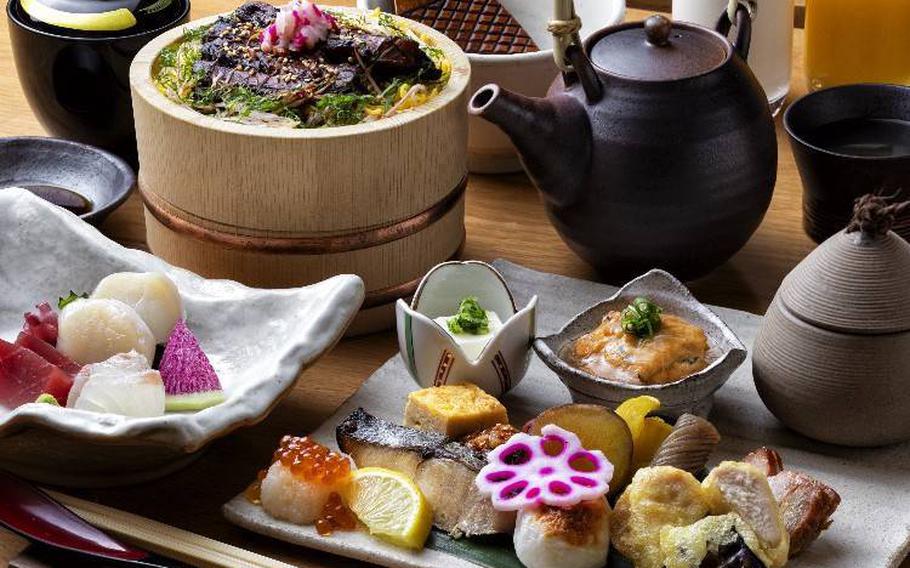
(552,469)
(299,26)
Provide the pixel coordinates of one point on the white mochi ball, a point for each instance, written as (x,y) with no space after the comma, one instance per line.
(94,330)
(153,295)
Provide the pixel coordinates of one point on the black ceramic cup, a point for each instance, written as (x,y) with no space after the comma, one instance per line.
(77,83)
(835,174)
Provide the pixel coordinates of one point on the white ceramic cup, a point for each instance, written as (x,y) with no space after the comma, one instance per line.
(772,39)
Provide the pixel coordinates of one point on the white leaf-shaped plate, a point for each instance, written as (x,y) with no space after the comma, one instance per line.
(258,341)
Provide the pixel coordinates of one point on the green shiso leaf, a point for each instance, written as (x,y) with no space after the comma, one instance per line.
(471,318)
(64,302)
(488,552)
(641,318)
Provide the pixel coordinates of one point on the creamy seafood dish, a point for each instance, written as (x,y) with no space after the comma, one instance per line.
(641,345)
(301,66)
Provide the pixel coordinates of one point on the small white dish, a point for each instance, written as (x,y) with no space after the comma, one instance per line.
(489,150)
(257,340)
(431,353)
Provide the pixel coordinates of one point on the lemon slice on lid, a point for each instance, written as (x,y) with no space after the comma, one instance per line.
(109,21)
(391,506)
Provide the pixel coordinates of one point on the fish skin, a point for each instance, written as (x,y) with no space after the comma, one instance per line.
(443,469)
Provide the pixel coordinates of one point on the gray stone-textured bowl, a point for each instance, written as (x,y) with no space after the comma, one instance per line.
(694,393)
(258,341)
(98,176)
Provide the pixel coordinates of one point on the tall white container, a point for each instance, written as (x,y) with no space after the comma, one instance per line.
(772,39)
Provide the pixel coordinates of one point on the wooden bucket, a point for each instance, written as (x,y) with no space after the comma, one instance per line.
(280,207)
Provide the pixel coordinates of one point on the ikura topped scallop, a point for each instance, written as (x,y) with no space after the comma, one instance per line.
(302,479)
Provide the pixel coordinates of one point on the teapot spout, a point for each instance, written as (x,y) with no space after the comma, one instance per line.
(552,135)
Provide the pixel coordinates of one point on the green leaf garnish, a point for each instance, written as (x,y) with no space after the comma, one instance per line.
(47,399)
(471,318)
(641,318)
(64,302)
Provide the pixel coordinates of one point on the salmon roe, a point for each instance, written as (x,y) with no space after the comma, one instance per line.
(312,461)
(335,516)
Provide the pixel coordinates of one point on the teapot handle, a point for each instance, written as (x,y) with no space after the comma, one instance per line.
(568,51)
(743,12)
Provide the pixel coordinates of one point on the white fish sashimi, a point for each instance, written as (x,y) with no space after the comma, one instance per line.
(123,384)
(153,295)
(94,330)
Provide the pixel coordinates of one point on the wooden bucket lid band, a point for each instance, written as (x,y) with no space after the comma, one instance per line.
(344,242)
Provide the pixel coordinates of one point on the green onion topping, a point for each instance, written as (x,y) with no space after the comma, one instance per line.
(641,318)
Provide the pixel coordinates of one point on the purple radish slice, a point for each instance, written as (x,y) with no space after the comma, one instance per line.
(190,381)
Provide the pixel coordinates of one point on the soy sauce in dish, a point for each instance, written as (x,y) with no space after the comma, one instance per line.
(61,196)
(867,137)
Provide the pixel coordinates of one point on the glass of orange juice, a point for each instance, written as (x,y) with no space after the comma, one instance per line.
(857,41)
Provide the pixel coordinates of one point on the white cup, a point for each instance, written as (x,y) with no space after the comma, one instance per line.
(772,39)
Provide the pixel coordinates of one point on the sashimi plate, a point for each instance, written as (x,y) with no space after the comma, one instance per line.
(873,483)
(258,341)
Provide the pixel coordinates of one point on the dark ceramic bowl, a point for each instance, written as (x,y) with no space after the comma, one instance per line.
(693,394)
(101,178)
(78,83)
(832,180)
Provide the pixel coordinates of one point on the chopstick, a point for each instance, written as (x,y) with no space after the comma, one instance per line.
(164,539)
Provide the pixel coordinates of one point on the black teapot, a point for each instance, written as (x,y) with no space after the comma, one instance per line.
(655,148)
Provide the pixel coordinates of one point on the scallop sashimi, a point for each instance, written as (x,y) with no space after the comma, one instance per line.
(94,330)
(153,295)
(301,480)
(123,384)
(25,375)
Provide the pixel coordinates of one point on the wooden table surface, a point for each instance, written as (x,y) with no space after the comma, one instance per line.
(504,219)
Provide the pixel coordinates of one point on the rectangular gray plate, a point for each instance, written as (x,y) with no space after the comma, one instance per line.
(871,528)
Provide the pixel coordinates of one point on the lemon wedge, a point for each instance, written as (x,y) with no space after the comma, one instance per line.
(110,21)
(391,506)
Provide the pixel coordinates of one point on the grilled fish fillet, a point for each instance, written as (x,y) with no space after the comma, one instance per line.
(444,470)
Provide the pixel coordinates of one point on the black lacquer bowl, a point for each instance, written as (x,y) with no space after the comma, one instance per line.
(77,83)
(832,179)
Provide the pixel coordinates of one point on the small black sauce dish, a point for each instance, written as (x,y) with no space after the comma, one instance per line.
(77,83)
(849,141)
(88,181)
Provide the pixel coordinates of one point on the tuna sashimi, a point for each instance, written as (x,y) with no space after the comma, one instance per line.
(25,375)
(42,323)
(48,353)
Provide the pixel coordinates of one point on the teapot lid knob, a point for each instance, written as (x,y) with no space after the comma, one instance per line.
(657,30)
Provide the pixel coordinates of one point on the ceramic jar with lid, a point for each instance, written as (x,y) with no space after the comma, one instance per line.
(832,359)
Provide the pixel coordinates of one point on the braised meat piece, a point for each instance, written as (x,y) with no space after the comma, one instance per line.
(765,459)
(806,504)
(385,57)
